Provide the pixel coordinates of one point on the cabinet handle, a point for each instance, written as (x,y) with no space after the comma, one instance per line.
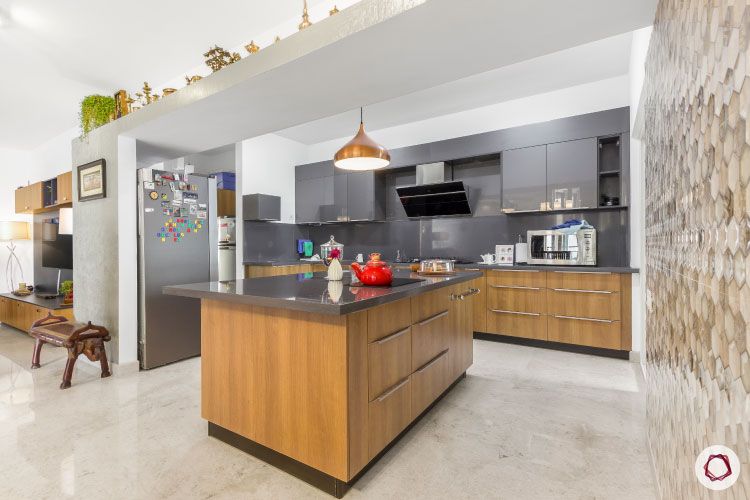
(392,336)
(517,287)
(432,362)
(359,220)
(581,272)
(581,291)
(392,390)
(433,318)
(515,312)
(516,270)
(471,291)
(584,319)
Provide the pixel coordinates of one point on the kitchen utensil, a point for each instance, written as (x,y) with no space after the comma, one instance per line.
(522,252)
(374,273)
(326,248)
(437,267)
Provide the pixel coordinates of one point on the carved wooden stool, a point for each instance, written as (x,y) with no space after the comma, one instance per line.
(77,338)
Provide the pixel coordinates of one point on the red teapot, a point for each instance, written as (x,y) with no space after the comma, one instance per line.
(375,273)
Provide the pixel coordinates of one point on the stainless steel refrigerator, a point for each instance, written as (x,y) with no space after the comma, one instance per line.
(177,244)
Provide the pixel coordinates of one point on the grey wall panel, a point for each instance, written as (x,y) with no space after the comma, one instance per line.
(271,241)
(364,238)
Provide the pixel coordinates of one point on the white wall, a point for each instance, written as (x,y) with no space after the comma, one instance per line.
(638,52)
(268,165)
(587,98)
(16,168)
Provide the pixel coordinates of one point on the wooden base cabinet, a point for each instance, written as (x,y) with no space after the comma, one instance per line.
(265,271)
(21,315)
(583,308)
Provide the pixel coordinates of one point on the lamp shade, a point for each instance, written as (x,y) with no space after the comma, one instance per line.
(14,230)
(362,153)
(66,221)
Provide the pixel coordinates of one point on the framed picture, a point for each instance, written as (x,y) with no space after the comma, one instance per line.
(92,180)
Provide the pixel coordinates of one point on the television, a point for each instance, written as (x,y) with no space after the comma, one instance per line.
(58,253)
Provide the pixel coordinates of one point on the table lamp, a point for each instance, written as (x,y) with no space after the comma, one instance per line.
(10,231)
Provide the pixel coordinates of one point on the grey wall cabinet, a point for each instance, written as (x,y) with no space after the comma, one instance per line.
(313,192)
(572,177)
(524,182)
(365,196)
(336,211)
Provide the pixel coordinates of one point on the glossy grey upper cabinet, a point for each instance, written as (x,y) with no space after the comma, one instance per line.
(524,184)
(572,174)
(313,192)
(366,196)
(337,211)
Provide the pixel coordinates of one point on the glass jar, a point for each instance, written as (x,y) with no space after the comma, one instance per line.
(326,248)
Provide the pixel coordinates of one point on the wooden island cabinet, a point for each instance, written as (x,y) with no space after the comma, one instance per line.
(320,378)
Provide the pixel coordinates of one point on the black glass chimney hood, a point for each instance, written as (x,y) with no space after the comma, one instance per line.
(435,200)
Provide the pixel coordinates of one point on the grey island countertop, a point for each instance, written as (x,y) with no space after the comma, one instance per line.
(311,292)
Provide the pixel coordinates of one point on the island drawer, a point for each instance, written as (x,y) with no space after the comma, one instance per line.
(595,304)
(429,304)
(388,319)
(429,338)
(517,324)
(389,361)
(428,382)
(511,277)
(388,415)
(584,331)
(516,298)
(591,280)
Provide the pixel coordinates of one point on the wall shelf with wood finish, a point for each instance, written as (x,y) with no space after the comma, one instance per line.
(45,196)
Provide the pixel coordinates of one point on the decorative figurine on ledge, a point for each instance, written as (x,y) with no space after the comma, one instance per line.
(218,58)
(333,11)
(192,79)
(251,47)
(305,17)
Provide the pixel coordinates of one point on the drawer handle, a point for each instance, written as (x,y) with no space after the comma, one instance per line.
(581,291)
(581,272)
(584,319)
(392,390)
(472,291)
(515,312)
(392,336)
(516,270)
(432,362)
(517,287)
(433,318)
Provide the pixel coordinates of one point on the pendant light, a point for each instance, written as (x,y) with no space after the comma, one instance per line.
(362,153)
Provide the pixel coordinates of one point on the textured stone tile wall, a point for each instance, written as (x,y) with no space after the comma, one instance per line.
(697,144)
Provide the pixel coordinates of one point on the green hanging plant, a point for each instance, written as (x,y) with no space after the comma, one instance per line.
(96,110)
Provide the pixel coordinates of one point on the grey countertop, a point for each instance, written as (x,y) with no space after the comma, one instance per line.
(311,292)
(527,267)
(517,267)
(55,303)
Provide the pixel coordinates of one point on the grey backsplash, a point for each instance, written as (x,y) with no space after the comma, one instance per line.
(463,237)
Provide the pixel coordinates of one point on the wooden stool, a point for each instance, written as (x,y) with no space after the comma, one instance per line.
(77,338)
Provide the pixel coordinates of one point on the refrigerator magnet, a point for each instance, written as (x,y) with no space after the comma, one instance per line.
(153,195)
(149,210)
(149,185)
(164,196)
(202,206)
(193,209)
(201,214)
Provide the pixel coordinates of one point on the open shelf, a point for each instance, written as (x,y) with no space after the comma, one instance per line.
(567,210)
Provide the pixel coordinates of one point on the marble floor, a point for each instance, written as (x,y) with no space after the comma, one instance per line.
(525,423)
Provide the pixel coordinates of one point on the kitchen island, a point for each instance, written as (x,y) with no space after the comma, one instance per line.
(319,378)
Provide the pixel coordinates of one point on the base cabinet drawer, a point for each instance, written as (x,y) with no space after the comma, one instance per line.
(429,304)
(429,338)
(389,361)
(534,279)
(513,298)
(428,382)
(584,303)
(584,280)
(388,415)
(584,331)
(517,324)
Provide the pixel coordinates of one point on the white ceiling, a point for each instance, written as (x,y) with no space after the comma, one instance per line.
(590,62)
(55,52)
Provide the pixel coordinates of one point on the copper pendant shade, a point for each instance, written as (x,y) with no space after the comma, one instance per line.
(362,153)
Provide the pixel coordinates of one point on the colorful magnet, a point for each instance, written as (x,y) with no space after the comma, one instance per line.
(153,195)
(164,196)
(149,185)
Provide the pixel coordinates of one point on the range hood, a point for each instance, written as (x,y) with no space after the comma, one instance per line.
(436,193)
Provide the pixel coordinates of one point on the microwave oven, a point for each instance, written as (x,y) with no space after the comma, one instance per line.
(557,248)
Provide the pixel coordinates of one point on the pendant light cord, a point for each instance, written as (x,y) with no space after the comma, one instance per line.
(361,116)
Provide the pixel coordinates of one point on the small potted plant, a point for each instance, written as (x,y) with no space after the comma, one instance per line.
(66,290)
(335,272)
